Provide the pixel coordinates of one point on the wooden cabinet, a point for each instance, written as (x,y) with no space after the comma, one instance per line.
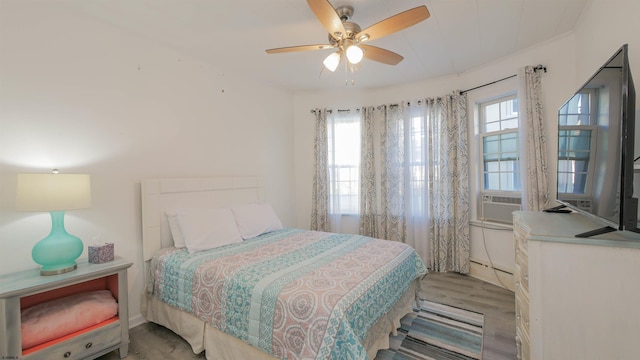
(27,288)
(576,298)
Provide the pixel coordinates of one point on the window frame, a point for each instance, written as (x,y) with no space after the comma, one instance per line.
(335,169)
(482,134)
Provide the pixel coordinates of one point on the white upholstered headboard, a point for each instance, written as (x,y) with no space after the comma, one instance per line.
(159,195)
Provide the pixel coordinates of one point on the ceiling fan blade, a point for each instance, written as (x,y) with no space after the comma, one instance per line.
(328,17)
(394,23)
(380,55)
(298,48)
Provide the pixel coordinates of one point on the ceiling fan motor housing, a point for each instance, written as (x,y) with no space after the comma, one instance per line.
(350,27)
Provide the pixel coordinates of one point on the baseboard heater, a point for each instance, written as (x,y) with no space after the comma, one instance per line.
(494,267)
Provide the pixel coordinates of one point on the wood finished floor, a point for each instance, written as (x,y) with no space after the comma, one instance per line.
(150,341)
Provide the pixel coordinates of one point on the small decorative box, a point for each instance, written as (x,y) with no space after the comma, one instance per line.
(101,253)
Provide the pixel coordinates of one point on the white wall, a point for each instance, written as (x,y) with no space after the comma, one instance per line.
(604,26)
(570,60)
(82,96)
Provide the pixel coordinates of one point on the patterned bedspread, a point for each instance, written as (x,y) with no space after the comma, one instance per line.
(293,293)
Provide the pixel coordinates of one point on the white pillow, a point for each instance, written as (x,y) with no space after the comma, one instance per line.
(256,219)
(205,229)
(176,233)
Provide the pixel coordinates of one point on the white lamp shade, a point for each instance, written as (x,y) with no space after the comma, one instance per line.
(331,62)
(354,54)
(53,192)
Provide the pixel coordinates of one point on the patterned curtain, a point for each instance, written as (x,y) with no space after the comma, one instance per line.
(414,178)
(368,188)
(448,183)
(393,224)
(320,192)
(382,186)
(535,194)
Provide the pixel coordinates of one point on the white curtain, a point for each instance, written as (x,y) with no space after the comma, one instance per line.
(533,159)
(404,193)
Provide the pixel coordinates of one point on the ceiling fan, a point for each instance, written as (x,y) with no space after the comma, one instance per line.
(349,39)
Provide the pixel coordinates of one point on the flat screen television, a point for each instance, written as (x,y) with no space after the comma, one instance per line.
(596,148)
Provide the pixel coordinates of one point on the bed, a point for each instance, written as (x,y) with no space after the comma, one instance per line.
(285,293)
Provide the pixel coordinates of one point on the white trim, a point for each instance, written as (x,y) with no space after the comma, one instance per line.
(136,321)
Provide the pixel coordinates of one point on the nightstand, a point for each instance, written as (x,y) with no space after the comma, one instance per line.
(27,288)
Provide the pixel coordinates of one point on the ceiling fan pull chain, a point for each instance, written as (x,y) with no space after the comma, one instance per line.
(346,73)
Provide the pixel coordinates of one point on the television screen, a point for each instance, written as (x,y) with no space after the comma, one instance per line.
(596,147)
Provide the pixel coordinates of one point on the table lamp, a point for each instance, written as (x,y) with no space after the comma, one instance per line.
(56,193)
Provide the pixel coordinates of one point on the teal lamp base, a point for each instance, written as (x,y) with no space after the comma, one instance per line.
(57,253)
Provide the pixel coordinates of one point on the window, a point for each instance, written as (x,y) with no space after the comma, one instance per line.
(576,136)
(499,144)
(344,162)
(416,173)
(344,140)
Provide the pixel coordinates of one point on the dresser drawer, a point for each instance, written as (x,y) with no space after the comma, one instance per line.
(82,346)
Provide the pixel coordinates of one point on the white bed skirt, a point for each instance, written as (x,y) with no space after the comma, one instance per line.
(219,345)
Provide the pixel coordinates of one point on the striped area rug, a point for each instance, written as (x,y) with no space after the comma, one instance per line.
(437,332)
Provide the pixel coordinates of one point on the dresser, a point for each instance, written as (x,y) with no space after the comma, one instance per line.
(576,298)
(521,284)
(26,288)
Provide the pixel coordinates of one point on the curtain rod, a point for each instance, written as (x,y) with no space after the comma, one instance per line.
(538,67)
(313,111)
(380,107)
(487,84)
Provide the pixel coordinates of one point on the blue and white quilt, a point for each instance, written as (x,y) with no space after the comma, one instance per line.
(293,293)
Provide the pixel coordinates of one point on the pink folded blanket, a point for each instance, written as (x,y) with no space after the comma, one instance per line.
(56,318)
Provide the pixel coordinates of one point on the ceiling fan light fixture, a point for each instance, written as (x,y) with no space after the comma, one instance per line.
(354,54)
(363,37)
(331,62)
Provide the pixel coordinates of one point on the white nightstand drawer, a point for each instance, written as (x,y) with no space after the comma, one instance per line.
(81,346)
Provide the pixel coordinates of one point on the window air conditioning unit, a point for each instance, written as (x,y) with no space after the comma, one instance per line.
(499,208)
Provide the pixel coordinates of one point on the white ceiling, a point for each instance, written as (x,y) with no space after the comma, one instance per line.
(233,34)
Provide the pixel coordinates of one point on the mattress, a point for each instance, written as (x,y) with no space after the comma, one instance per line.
(291,293)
